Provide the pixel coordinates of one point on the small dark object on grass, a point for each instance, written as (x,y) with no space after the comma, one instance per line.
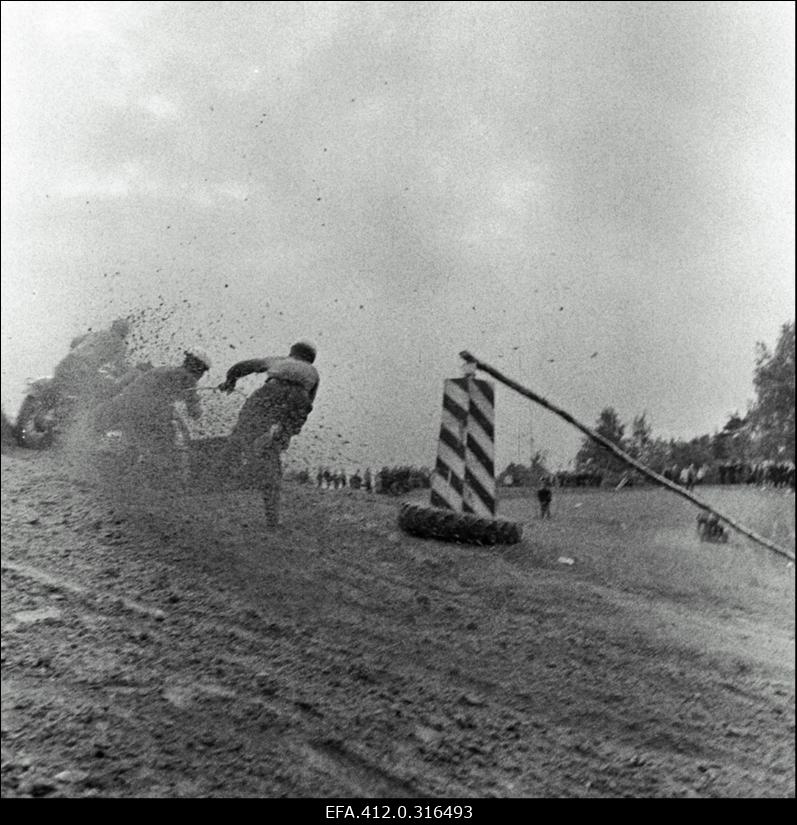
(710,529)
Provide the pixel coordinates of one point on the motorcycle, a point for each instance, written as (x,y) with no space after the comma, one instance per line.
(120,459)
(47,409)
(38,416)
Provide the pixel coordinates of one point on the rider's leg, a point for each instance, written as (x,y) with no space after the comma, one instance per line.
(271,482)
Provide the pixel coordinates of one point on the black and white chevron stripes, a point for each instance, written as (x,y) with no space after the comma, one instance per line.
(464,477)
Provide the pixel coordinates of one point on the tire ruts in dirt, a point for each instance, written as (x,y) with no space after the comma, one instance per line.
(465,528)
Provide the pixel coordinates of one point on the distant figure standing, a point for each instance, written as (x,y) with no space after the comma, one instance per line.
(687,477)
(545,496)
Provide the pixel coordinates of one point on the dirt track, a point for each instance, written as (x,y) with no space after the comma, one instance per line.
(173,647)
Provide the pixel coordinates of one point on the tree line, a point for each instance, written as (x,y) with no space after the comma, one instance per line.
(757,447)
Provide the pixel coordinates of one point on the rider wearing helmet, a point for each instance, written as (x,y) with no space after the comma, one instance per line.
(270,417)
(87,372)
(144,409)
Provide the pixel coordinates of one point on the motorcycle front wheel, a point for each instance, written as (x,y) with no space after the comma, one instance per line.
(30,432)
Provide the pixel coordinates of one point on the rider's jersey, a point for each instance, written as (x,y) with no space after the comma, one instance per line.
(293,371)
(285,369)
(149,400)
(80,368)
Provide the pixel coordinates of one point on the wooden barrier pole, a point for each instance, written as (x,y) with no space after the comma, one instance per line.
(623,456)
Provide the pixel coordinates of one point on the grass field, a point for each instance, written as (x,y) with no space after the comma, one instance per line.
(647,539)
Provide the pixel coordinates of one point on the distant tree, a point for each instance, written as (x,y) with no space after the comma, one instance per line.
(514,475)
(641,438)
(522,475)
(734,424)
(732,443)
(700,450)
(658,454)
(772,414)
(679,452)
(592,457)
(539,467)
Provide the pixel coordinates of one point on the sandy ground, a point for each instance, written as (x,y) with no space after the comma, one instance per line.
(169,645)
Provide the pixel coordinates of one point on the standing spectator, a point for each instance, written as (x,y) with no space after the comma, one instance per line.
(545,496)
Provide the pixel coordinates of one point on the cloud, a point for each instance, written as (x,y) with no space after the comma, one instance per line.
(207,196)
(121,181)
(161,107)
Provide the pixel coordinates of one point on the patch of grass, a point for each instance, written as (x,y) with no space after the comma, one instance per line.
(646,540)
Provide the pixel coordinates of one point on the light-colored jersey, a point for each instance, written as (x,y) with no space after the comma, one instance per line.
(294,371)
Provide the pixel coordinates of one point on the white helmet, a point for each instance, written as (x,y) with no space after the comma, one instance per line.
(199,355)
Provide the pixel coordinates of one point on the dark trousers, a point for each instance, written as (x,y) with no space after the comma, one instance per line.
(545,509)
(266,423)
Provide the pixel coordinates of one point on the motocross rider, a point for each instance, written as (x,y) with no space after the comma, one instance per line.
(89,370)
(270,417)
(144,409)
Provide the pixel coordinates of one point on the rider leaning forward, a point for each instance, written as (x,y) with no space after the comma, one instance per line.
(144,408)
(269,418)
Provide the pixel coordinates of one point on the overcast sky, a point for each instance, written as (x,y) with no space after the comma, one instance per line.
(598,198)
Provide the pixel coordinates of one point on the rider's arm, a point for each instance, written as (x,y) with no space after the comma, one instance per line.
(243,368)
(192,405)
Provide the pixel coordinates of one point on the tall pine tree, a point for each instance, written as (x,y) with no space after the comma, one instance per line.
(592,457)
(772,414)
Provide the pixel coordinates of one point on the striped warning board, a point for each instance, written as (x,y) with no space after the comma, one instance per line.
(479,497)
(448,480)
(464,477)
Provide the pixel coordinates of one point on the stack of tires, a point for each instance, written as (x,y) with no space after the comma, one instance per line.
(447,525)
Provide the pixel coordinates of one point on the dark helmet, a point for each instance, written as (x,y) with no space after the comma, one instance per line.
(304,350)
(199,357)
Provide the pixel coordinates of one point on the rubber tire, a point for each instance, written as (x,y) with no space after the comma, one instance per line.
(465,528)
